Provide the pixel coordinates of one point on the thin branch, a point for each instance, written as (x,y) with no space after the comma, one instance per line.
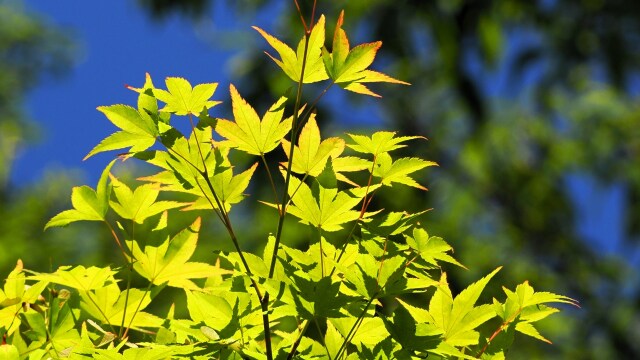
(285,193)
(273,185)
(353,329)
(295,345)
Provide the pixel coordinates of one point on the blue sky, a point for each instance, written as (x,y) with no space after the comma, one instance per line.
(115,50)
(118,44)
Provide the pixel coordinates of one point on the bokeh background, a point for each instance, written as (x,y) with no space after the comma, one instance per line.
(531,108)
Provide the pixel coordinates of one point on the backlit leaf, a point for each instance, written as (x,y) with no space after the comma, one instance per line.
(431,248)
(248,133)
(138,132)
(457,318)
(139,204)
(311,154)
(109,304)
(380,142)
(169,262)
(398,171)
(524,306)
(88,204)
(291,62)
(182,99)
(79,277)
(348,67)
(329,211)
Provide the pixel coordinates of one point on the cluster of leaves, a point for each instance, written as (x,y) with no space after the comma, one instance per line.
(354,292)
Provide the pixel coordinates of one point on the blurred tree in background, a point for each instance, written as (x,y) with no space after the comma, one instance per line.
(518,97)
(29,50)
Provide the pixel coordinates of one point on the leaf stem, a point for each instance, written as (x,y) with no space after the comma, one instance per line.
(117,240)
(295,345)
(137,308)
(354,328)
(126,296)
(324,343)
(294,129)
(365,204)
(273,185)
(226,221)
(311,107)
(500,328)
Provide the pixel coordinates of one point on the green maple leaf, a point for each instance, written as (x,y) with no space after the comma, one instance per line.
(457,318)
(248,133)
(88,204)
(524,306)
(168,263)
(181,99)
(109,305)
(328,211)
(79,277)
(342,164)
(311,154)
(291,61)
(14,294)
(398,171)
(379,143)
(348,67)
(370,332)
(138,132)
(431,248)
(229,189)
(140,204)
(139,128)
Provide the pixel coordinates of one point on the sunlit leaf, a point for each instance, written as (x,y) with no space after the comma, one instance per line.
(109,304)
(328,211)
(140,204)
(311,153)
(88,204)
(524,306)
(380,142)
(431,248)
(169,262)
(248,133)
(398,171)
(291,62)
(458,317)
(348,67)
(181,99)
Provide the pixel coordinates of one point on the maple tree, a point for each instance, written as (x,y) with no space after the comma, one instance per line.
(260,306)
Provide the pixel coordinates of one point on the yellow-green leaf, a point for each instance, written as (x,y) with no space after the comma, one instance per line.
(181,99)
(88,204)
(329,211)
(248,133)
(291,62)
(380,142)
(311,154)
(169,262)
(110,305)
(140,204)
(348,67)
(398,171)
